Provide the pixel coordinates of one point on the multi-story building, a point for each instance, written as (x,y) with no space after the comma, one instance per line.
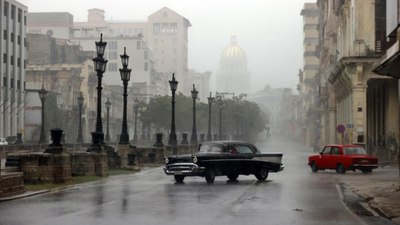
(12,73)
(233,76)
(388,115)
(353,103)
(201,82)
(158,45)
(65,71)
(310,80)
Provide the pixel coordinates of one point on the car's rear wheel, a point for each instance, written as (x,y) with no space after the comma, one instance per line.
(232,176)
(210,175)
(262,173)
(314,167)
(179,178)
(340,168)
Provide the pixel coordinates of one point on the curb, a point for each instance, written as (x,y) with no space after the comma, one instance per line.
(26,194)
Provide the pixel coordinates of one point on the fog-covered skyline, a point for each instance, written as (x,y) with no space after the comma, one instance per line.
(270,32)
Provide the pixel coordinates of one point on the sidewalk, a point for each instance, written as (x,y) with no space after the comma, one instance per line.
(380,189)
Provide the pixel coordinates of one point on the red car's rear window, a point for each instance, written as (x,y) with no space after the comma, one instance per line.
(354,151)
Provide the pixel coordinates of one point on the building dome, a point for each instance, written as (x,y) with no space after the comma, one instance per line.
(233,56)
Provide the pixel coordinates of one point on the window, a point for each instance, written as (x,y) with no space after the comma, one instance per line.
(335,151)
(146,54)
(12,82)
(327,150)
(12,37)
(12,60)
(5,8)
(112,67)
(19,62)
(156,28)
(5,34)
(19,39)
(12,11)
(146,67)
(5,81)
(244,149)
(113,55)
(19,15)
(18,84)
(113,45)
(137,44)
(4,58)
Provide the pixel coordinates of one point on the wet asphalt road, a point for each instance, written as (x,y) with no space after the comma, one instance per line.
(293,196)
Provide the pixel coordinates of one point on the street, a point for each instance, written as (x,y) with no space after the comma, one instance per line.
(293,196)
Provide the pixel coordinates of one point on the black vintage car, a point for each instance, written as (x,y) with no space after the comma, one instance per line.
(223,158)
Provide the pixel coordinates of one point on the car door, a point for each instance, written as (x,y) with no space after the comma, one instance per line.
(333,158)
(323,162)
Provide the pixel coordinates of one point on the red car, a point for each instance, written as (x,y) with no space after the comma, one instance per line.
(342,158)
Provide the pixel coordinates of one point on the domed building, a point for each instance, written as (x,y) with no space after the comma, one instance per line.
(233,75)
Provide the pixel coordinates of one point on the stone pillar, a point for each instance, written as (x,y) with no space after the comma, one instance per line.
(159,143)
(184,139)
(123,151)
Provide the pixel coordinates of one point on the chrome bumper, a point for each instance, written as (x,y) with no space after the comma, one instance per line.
(365,165)
(186,169)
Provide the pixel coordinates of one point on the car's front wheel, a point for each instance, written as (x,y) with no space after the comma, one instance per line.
(210,175)
(314,167)
(340,169)
(262,173)
(179,178)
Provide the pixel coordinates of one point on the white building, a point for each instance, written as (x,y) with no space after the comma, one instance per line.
(233,76)
(12,75)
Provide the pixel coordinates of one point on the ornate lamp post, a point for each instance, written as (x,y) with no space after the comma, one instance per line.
(80,103)
(210,101)
(136,109)
(100,67)
(220,103)
(125,77)
(108,106)
(43,95)
(172,136)
(193,139)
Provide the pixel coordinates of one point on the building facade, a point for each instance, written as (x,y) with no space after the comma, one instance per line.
(12,75)
(156,46)
(309,79)
(352,103)
(233,76)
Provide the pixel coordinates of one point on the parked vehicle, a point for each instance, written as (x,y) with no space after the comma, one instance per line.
(3,141)
(342,158)
(223,158)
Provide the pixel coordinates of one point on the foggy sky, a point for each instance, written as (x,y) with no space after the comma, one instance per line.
(269,31)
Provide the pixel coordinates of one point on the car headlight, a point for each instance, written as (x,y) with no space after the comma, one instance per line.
(194,159)
(166,160)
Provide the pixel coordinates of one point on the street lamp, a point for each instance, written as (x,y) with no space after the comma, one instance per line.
(80,103)
(193,139)
(125,77)
(108,106)
(135,108)
(172,136)
(100,67)
(220,103)
(42,95)
(210,101)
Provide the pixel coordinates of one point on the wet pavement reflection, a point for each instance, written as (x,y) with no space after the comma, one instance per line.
(293,196)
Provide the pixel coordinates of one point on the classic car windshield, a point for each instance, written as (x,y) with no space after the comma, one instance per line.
(354,151)
(211,147)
